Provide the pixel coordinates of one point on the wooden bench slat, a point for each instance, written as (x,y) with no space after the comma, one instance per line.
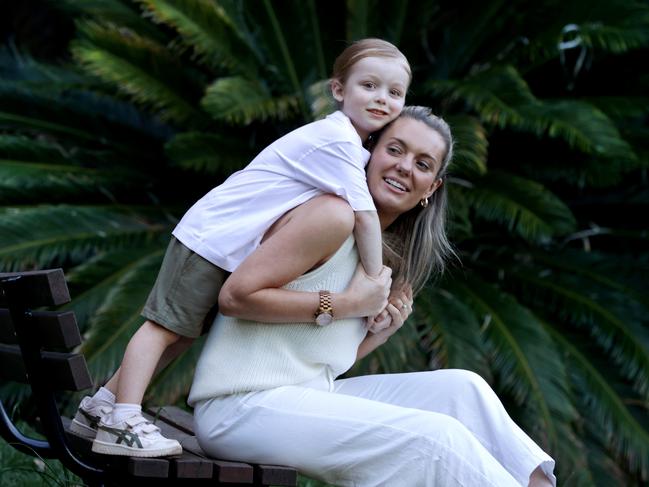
(227,471)
(55,329)
(42,288)
(65,371)
(275,475)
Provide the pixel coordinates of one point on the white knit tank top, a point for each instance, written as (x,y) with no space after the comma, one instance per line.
(242,356)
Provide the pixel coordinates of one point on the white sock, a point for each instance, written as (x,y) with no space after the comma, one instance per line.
(121,411)
(104,396)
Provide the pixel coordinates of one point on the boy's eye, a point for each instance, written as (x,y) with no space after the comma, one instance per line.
(395,93)
(368,84)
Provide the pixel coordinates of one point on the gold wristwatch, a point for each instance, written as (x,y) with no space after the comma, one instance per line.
(324,315)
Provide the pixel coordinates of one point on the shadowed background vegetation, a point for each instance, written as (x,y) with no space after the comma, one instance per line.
(115,116)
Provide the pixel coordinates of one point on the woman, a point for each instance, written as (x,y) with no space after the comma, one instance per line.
(266,392)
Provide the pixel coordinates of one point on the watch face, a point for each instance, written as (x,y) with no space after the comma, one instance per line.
(324,319)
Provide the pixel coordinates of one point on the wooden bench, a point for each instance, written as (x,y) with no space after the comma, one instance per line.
(35,348)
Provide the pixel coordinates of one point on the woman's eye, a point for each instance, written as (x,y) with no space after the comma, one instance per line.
(423,165)
(394,150)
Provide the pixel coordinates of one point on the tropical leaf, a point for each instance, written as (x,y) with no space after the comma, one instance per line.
(241,101)
(30,181)
(494,93)
(43,236)
(523,357)
(471,144)
(453,332)
(617,427)
(601,314)
(144,70)
(208,153)
(116,12)
(207,29)
(523,206)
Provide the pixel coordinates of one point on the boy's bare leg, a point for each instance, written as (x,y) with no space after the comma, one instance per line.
(168,356)
(141,358)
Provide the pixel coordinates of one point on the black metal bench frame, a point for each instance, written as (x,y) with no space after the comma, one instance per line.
(26,337)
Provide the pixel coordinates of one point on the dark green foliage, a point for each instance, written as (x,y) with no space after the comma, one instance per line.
(156,101)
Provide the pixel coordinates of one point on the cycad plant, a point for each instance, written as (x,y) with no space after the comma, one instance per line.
(101,153)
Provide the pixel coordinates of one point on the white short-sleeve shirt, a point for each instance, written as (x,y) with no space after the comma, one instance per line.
(326,156)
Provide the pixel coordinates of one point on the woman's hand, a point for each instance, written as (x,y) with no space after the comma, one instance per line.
(366,295)
(399,308)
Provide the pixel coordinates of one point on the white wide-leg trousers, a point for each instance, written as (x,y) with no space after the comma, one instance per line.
(444,428)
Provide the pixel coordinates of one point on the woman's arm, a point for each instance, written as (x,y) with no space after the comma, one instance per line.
(303,239)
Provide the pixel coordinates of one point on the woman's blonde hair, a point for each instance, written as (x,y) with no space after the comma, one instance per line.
(415,244)
(364,48)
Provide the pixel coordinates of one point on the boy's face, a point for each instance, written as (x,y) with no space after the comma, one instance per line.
(373,94)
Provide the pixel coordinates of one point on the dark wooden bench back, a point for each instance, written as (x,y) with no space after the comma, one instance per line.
(34,341)
(34,348)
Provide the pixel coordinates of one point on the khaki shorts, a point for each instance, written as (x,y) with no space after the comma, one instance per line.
(185,295)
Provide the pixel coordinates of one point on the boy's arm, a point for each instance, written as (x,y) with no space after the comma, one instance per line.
(367,232)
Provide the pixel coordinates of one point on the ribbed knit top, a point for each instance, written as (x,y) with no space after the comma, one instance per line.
(242,356)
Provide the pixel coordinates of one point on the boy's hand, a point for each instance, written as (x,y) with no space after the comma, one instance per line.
(370,293)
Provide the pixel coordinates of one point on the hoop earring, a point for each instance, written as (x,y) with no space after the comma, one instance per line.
(424,202)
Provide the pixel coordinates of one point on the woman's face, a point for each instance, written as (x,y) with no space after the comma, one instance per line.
(403,168)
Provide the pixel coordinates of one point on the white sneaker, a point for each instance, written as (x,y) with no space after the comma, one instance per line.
(134,437)
(87,418)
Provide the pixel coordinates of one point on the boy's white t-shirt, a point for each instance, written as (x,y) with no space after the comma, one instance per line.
(326,156)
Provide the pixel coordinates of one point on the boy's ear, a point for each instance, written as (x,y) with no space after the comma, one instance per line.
(337,90)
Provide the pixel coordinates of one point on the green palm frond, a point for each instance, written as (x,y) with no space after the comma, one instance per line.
(582,125)
(459,222)
(20,147)
(283,48)
(470,150)
(395,356)
(212,153)
(523,356)
(523,206)
(78,115)
(241,101)
(502,97)
(141,68)
(43,236)
(208,30)
(616,38)
(613,321)
(618,427)
(116,12)
(118,317)
(620,107)
(453,332)
(494,93)
(358,18)
(608,26)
